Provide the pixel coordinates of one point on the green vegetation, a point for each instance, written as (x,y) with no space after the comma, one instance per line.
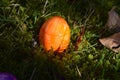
(20,21)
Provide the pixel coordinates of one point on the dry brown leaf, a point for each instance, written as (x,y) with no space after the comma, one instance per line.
(113,22)
(112,42)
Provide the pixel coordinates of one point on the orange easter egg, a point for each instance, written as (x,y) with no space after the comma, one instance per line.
(55,34)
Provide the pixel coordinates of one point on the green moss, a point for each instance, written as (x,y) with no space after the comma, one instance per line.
(20,21)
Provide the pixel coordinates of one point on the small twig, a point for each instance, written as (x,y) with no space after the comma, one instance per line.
(79,73)
(45,15)
(33,73)
(80,37)
(88,17)
(82,31)
(44,8)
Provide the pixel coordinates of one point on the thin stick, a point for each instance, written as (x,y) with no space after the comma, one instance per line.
(44,8)
(33,73)
(79,39)
(88,17)
(79,73)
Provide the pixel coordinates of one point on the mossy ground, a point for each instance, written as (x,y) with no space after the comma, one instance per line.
(20,21)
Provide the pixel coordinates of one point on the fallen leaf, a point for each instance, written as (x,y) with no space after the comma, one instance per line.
(112,42)
(113,22)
